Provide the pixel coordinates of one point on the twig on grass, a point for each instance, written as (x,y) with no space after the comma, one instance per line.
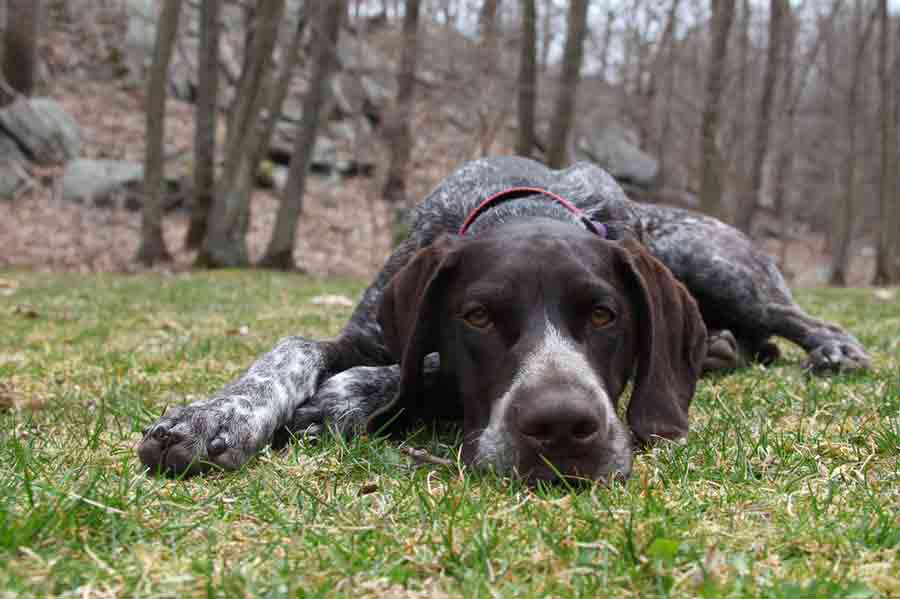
(423,456)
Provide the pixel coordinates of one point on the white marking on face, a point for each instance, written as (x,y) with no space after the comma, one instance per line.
(555,355)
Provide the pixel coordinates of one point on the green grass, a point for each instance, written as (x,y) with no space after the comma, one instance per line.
(789,486)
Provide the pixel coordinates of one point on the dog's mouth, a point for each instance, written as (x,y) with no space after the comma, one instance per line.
(604,464)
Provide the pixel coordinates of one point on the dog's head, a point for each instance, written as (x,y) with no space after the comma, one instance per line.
(540,326)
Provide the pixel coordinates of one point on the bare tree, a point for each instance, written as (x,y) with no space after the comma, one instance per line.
(563,112)
(845,213)
(527,78)
(205,121)
(224,245)
(153,246)
(280,252)
(277,91)
(20,46)
(784,165)
(886,267)
(746,209)
(739,148)
(396,125)
(491,116)
(711,169)
(664,68)
(607,42)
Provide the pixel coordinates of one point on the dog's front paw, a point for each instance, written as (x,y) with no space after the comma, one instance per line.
(192,439)
(837,356)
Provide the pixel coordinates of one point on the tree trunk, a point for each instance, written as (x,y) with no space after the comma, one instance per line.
(273,94)
(489,122)
(225,244)
(607,43)
(205,121)
(546,35)
(711,166)
(785,162)
(886,271)
(527,78)
(280,252)
(396,126)
(153,247)
(563,113)
(664,68)
(747,209)
(846,210)
(740,148)
(278,91)
(23,23)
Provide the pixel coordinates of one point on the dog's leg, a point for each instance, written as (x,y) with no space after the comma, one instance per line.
(228,428)
(349,398)
(740,289)
(225,430)
(830,348)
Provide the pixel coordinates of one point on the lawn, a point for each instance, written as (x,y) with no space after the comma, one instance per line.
(789,486)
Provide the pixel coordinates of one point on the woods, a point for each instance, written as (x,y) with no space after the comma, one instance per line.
(778,117)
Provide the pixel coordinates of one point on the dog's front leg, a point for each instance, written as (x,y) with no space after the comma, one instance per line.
(347,400)
(227,429)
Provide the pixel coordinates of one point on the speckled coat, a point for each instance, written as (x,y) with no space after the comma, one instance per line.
(301,384)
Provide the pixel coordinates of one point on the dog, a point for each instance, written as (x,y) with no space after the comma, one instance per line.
(522,303)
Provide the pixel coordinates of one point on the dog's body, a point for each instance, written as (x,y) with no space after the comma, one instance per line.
(496,359)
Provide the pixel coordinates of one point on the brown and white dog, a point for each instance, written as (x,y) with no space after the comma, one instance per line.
(522,303)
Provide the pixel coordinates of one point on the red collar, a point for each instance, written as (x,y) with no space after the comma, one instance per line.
(515,192)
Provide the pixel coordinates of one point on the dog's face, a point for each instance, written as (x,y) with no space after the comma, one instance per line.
(540,326)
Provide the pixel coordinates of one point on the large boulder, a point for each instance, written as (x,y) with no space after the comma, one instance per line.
(117,183)
(13,178)
(42,130)
(99,182)
(615,148)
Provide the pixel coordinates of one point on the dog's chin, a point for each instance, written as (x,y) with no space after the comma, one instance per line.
(502,456)
(565,472)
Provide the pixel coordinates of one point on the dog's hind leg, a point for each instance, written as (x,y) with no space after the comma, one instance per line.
(739,288)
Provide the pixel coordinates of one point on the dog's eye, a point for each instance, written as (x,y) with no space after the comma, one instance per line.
(478,318)
(600,316)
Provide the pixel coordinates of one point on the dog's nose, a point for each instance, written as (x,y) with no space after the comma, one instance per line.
(560,421)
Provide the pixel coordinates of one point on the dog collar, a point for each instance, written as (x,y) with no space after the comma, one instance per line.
(517,192)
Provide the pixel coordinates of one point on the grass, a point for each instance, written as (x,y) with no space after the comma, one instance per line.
(789,486)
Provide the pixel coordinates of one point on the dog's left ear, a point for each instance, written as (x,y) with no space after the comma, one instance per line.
(671,347)
(409,321)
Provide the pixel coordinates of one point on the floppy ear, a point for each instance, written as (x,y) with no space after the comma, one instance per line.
(671,348)
(409,322)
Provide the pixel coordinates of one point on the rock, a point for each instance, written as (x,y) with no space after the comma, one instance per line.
(10,150)
(13,178)
(42,129)
(108,183)
(97,182)
(615,149)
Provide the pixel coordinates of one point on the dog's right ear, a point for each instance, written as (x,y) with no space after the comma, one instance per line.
(409,322)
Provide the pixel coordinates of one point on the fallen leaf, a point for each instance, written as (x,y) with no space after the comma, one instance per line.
(26,312)
(885,295)
(10,399)
(170,325)
(367,489)
(242,331)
